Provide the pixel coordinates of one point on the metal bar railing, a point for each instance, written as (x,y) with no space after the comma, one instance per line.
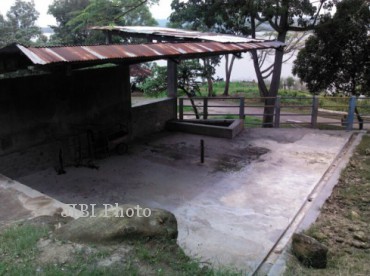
(310,111)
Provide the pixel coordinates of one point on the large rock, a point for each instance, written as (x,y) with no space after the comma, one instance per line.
(309,251)
(113,224)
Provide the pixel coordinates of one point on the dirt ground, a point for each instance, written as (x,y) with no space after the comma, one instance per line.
(232,209)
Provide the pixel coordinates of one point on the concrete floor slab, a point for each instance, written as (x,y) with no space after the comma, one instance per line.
(232,209)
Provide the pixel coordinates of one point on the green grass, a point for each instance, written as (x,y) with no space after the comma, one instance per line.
(19,256)
(168,259)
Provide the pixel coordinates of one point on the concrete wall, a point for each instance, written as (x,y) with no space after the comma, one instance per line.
(40,114)
(152,117)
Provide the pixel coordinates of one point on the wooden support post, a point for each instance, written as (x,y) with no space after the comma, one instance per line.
(181,108)
(351,113)
(171,79)
(241,109)
(205,108)
(277,112)
(315,111)
(123,75)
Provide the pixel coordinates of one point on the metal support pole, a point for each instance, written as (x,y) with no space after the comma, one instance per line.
(315,111)
(277,112)
(351,113)
(202,151)
(205,108)
(241,109)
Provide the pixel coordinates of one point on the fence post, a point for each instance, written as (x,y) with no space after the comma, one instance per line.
(205,108)
(181,108)
(351,113)
(241,108)
(277,112)
(315,111)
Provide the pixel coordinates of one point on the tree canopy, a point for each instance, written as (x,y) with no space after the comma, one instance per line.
(336,57)
(64,11)
(75,17)
(19,25)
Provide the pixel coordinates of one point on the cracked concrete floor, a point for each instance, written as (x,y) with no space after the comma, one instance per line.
(233,208)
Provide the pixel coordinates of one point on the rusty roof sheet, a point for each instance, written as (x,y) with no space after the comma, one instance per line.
(180,34)
(134,53)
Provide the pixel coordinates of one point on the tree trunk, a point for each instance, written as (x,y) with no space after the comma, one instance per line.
(268,119)
(190,97)
(208,76)
(194,108)
(271,93)
(210,86)
(228,69)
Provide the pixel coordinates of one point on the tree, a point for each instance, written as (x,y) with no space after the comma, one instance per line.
(245,16)
(112,12)
(75,17)
(188,72)
(19,26)
(64,11)
(195,15)
(290,82)
(209,70)
(336,57)
(4,32)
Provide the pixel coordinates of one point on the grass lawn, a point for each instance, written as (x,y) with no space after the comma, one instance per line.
(22,253)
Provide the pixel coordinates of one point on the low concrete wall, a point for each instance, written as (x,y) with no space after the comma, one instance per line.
(152,117)
(227,128)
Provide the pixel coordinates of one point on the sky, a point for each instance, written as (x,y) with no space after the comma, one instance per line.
(159,11)
(243,68)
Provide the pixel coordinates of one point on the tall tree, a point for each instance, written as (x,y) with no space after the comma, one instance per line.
(19,26)
(245,16)
(64,11)
(336,57)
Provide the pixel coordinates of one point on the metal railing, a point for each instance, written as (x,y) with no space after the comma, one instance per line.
(313,112)
(204,105)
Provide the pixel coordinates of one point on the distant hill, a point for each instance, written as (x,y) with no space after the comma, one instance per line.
(162,22)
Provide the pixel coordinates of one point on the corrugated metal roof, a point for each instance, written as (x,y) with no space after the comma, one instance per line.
(134,53)
(177,33)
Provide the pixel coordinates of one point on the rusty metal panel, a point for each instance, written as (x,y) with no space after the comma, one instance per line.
(106,53)
(161,32)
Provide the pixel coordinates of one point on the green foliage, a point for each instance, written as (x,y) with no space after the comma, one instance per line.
(154,85)
(64,11)
(189,71)
(336,57)
(75,17)
(19,26)
(113,12)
